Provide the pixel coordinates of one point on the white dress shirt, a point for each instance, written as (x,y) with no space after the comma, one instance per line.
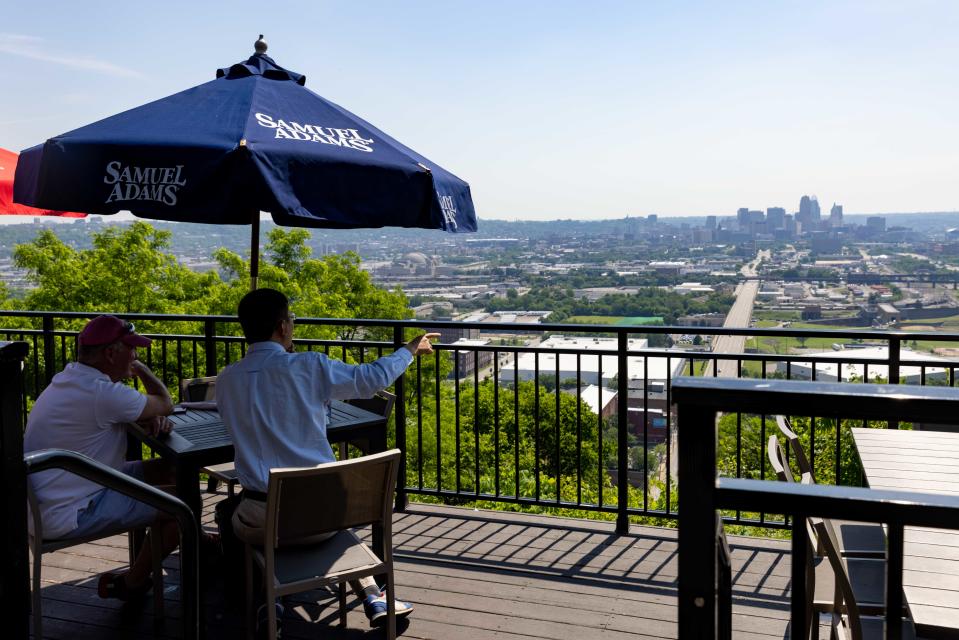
(275,405)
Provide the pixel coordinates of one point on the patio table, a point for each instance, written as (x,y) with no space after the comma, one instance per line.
(928,462)
(199,439)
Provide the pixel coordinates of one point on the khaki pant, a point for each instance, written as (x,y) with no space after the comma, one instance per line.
(249,521)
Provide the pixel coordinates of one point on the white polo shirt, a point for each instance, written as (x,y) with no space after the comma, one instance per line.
(274,404)
(82,410)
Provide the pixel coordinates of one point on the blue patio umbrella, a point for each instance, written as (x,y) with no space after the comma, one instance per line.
(254,139)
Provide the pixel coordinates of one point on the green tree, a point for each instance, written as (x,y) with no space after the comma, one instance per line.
(492,437)
(126,271)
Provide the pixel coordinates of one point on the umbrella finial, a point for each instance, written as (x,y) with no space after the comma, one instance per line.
(260,45)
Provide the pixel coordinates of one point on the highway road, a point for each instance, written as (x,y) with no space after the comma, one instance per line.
(739,316)
(751,269)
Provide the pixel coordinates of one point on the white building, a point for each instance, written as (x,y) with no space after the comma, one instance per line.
(593,369)
(829,371)
(692,287)
(600,400)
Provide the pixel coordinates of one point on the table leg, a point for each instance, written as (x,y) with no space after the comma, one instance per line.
(377,444)
(188,490)
(135,537)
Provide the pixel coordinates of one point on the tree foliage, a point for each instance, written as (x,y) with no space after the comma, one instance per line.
(129,269)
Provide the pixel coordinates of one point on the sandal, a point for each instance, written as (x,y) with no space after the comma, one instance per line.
(114,585)
(210,543)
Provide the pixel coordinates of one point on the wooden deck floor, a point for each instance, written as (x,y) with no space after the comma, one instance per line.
(471,575)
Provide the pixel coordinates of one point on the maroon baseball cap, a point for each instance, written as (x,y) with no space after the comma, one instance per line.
(109,329)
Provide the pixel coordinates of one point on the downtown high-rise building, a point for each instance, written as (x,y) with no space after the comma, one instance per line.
(809,213)
(775,218)
(876,224)
(835,215)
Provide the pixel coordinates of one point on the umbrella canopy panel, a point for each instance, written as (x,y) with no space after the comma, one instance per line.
(8,167)
(255,139)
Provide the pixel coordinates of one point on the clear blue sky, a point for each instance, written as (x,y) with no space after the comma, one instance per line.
(555,109)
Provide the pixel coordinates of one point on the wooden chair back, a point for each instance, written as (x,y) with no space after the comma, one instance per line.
(381,404)
(305,502)
(795,444)
(198,389)
(777,459)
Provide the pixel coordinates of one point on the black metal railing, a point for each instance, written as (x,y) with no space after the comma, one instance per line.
(502,422)
(700,400)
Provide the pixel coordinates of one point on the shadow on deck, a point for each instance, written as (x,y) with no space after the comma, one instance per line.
(470,574)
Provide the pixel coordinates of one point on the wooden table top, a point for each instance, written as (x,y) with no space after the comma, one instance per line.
(928,462)
(198,432)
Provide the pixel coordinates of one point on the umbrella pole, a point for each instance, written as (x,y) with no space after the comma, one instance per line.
(255,250)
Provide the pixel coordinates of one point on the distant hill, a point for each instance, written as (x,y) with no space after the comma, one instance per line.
(195,239)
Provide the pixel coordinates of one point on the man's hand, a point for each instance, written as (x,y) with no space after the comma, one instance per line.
(420,346)
(156,426)
(159,402)
(138,369)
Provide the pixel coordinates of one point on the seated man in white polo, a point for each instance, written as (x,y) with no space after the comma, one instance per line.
(84,409)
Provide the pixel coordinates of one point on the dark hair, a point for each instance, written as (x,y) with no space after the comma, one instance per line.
(260,312)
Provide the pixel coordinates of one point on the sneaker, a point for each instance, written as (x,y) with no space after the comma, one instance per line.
(376,611)
(263,621)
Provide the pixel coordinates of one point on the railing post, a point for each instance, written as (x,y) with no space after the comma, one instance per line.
(894,359)
(49,350)
(697,524)
(622,425)
(800,608)
(209,345)
(894,565)
(14,567)
(399,413)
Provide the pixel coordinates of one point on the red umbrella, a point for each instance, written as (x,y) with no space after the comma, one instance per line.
(8,167)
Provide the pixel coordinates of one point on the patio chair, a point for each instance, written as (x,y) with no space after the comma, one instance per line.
(381,404)
(869,574)
(353,493)
(856,539)
(777,460)
(198,389)
(39,546)
(850,619)
(801,460)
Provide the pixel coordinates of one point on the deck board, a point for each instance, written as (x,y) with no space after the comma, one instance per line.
(470,574)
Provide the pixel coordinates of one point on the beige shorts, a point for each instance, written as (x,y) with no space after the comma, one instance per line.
(249,522)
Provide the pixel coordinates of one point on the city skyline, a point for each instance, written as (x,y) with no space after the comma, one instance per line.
(553,110)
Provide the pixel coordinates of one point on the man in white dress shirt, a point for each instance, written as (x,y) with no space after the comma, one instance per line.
(274,403)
